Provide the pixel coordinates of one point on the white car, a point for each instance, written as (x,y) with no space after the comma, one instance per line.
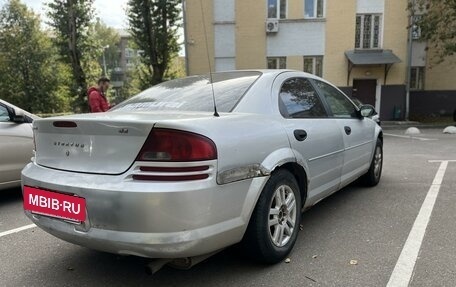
(187,167)
(16,143)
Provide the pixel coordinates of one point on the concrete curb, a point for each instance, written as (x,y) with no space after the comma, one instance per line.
(390,126)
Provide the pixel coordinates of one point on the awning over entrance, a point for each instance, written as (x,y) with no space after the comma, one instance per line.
(370,57)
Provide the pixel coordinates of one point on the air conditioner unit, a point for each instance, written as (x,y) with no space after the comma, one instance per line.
(272,26)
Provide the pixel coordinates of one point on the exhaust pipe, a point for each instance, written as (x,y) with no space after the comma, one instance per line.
(178,263)
(155,265)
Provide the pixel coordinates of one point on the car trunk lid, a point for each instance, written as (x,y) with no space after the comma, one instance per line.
(105,144)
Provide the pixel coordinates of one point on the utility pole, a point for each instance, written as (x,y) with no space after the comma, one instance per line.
(409,59)
(184,18)
(104,59)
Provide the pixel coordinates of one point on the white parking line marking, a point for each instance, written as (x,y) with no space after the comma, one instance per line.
(410,137)
(19,229)
(402,273)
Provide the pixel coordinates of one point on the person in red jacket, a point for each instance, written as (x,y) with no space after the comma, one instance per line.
(97,96)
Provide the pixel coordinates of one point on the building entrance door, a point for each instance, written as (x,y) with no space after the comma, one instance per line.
(365,90)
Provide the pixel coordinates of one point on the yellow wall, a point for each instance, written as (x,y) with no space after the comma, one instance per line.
(250,34)
(440,76)
(340,37)
(196,43)
(295,9)
(295,63)
(371,72)
(395,38)
(250,40)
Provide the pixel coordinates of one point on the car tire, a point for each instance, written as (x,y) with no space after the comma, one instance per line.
(372,177)
(274,224)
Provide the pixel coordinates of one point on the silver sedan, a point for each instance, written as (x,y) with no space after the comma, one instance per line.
(193,165)
(16,143)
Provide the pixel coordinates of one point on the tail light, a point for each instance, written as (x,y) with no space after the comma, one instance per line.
(64,124)
(176,146)
(167,145)
(34,138)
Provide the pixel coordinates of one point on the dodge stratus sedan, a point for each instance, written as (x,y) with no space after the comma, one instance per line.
(194,165)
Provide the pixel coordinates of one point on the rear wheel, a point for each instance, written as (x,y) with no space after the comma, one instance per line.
(372,177)
(274,225)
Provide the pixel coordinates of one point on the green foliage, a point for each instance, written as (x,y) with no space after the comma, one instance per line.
(29,70)
(107,38)
(154,25)
(438,25)
(132,84)
(71,21)
(176,69)
(92,69)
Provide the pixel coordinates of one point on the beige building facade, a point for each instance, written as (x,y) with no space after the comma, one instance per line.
(359,45)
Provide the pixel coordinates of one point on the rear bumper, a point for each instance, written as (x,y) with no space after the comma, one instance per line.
(149,219)
(153,245)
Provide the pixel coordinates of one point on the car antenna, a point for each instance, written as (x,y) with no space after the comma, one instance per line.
(216,114)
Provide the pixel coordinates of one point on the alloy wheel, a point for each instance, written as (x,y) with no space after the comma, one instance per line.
(282,215)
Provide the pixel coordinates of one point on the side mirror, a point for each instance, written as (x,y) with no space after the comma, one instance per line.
(367,111)
(18,116)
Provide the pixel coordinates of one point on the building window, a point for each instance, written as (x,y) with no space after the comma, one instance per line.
(416,29)
(368,29)
(129,53)
(417,78)
(277,63)
(313,9)
(340,105)
(277,9)
(314,65)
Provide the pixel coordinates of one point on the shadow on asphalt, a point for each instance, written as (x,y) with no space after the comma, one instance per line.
(87,266)
(10,195)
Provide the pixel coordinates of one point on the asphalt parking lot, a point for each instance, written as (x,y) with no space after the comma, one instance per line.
(357,237)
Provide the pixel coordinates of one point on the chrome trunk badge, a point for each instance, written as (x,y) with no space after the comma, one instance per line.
(69,144)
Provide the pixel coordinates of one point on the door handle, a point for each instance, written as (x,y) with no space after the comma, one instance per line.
(348,130)
(300,135)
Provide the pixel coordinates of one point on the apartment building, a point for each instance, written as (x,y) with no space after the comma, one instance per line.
(359,45)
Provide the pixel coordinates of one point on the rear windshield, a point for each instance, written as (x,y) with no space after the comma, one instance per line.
(193,93)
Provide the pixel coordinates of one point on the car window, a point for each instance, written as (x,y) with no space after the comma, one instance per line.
(356,101)
(193,93)
(339,104)
(4,116)
(298,99)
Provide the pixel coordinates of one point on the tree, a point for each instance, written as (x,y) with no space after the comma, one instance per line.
(107,39)
(438,25)
(29,72)
(71,20)
(154,25)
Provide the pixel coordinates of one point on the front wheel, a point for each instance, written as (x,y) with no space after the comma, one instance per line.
(274,225)
(372,177)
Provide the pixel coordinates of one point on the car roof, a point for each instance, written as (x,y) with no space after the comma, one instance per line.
(276,72)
